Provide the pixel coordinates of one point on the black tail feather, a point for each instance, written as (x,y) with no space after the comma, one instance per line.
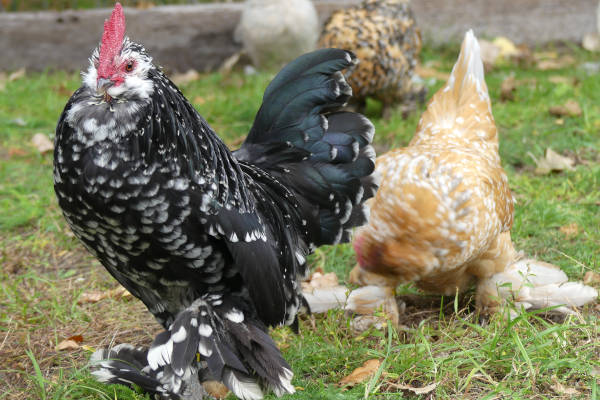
(322,154)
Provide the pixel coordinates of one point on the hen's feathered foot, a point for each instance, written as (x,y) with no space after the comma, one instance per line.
(533,284)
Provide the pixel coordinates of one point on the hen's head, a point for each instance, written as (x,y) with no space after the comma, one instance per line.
(119,68)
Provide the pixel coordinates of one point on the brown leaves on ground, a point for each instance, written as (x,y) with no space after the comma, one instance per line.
(507,89)
(215,389)
(185,78)
(42,143)
(561,389)
(362,373)
(591,278)
(4,78)
(71,343)
(426,72)
(569,230)
(320,280)
(95,296)
(570,109)
(548,60)
(591,42)
(416,390)
(552,161)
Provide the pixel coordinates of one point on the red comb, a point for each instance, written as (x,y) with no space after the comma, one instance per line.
(112,41)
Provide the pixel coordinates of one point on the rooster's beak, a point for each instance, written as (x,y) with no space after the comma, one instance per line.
(103,84)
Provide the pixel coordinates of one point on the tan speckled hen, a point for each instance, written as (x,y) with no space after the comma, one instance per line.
(443,212)
(385,38)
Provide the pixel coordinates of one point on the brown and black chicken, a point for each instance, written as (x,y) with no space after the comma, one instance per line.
(384,36)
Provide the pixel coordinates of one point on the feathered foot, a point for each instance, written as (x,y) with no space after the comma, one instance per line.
(533,284)
(235,347)
(127,365)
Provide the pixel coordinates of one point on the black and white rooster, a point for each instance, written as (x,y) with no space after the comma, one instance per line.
(213,242)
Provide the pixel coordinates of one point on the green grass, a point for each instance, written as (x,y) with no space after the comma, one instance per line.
(45,271)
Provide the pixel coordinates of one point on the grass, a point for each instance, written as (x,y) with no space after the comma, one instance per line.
(442,341)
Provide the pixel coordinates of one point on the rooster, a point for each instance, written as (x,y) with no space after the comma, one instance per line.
(212,242)
(443,212)
(387,41)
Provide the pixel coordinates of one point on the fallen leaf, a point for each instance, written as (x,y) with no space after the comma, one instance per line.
(552,162)
(507,47)
(427,72)
(559,121)
(507,89)
(215,389)
(489,52)
(591,277)
(67,345)
(361,323)
(550,60)
(559,79)
(95,296)
(16,152)
(417,390)
(361,374)
(570,109)
(561,389)
(76,338)
(18,74)
(42,143)
(591,42)
(185,78)
(569,230)
(199,100)
(319,280)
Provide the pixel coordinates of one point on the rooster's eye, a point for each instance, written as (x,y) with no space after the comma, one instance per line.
(129,67)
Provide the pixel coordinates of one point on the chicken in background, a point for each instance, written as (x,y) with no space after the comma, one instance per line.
(384,36)
(443,212)
(274,32)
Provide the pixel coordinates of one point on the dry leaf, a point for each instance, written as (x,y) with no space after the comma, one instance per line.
(319,280)
(569,230)
(361,323)
(561,389)
(67,345)
(559,79)
(489,52)
(416,390)
(427,72)
(42,143)
(185,78)
(591,277)
(18,74)
(552,162)
(199,100)
(215,389)
(16,152)
(76,338)
(550,60)
(570,109)
(507,89)
(507,47)
(361,374)
(95,296)
(591,42)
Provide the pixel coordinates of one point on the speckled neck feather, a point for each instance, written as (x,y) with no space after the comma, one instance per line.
(112,41)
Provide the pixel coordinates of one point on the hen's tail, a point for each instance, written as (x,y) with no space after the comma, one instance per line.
(533,284)
(462,107)
(323,155)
